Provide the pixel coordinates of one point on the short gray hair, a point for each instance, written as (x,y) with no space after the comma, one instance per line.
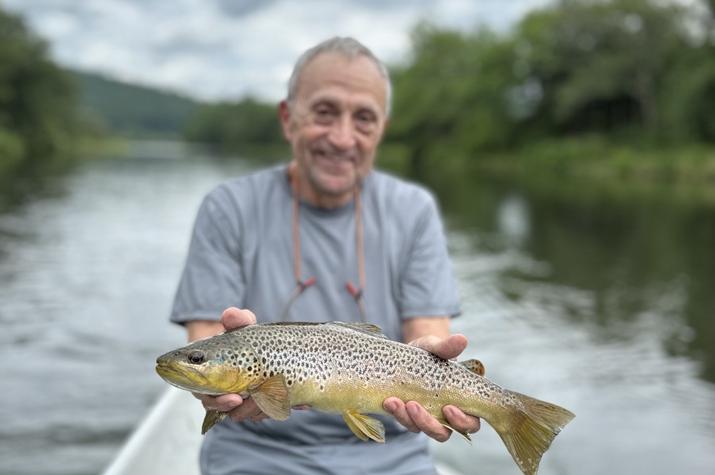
(347,47)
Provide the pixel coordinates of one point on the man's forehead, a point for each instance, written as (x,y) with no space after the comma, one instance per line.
(330,74)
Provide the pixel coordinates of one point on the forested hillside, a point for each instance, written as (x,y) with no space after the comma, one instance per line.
(120,108)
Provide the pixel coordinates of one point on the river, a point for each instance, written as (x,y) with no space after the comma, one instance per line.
(599,302)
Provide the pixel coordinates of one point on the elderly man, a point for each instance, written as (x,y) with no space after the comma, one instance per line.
(323,238)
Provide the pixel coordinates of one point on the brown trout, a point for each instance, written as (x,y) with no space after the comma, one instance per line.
(350,369)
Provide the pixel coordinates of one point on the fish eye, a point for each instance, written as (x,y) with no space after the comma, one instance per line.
(196,357)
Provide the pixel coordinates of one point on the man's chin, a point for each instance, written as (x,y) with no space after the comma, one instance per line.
(334,188)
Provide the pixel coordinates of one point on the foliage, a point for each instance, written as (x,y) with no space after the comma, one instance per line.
(634,71)
(601,65)
(38,119)
(235,125)
(453,92)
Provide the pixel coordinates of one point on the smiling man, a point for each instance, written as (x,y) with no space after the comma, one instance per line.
(323,238)
(334,121)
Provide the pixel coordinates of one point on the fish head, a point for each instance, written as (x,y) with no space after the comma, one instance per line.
(218,365)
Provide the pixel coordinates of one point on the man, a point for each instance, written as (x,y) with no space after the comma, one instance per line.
(323,238)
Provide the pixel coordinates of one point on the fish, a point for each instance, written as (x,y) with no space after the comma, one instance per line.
(350,369)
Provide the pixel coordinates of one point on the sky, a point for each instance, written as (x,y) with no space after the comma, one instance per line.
(227,49)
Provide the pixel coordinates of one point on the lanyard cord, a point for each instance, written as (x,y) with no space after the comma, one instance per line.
(301,285)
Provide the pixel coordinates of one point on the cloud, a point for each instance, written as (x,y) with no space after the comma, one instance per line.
(229,48)
(241,8)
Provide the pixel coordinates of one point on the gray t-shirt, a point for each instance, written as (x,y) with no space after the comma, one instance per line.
(241,254)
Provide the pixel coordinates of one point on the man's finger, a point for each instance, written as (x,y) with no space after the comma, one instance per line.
(396,407)
(461,421)
(446,348)
(248,409)
(426,422)
(233,318)
(223,403)
(259,417)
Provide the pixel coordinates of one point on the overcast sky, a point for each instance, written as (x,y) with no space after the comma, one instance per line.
(215,49)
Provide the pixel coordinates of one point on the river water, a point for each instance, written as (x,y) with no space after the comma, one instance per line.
(599,302)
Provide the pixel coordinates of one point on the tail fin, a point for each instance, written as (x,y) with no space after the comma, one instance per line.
(529,430)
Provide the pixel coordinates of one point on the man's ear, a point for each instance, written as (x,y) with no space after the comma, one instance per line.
(284,116)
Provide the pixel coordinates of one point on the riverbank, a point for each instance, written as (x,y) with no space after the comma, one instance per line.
(618,170)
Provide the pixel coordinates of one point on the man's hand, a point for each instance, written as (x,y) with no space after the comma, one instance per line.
(238,408)
(413,416)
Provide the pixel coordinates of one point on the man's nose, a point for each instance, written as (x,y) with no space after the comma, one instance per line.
(342,133)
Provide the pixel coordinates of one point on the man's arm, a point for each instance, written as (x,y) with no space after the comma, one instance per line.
(431,334)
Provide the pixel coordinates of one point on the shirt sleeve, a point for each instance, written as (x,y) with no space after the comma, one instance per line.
(428,286)
(211,280)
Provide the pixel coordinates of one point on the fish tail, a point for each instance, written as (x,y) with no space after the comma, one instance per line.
(529,428)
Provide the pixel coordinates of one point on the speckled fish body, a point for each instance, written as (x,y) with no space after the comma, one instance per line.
(351,369)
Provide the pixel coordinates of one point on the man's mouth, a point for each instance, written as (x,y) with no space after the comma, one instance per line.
(334,159)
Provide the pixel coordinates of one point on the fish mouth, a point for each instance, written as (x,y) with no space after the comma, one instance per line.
(184,377)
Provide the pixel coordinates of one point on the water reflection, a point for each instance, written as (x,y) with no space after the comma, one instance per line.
(626,261)
(606,298)
(513,220)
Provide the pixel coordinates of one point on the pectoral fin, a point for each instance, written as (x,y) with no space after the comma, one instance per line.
(272,398)
(475,366)
(211,419)
(365,427)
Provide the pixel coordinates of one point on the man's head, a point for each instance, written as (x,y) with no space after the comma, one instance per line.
(334,118)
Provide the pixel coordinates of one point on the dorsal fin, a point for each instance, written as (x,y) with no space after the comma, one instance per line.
(367,328)
(288,324)
(475,366)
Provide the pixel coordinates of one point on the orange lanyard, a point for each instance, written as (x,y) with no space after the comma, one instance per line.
(303,284)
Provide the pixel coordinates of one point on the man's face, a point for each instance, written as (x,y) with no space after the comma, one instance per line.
(334,124)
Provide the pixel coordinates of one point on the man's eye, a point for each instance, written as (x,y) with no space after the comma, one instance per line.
(365,117)
(365,120)
(324,109)
(323,113)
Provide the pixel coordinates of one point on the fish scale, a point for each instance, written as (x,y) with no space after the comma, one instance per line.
(351,368)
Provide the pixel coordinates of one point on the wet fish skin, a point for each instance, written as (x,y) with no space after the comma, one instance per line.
(351,369)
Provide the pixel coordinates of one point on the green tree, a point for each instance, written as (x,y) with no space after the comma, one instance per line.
(37,104)
(453,97)
(600,65)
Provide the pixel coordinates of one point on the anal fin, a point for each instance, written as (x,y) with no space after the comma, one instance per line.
(272,397)
(365,427)
(463,434)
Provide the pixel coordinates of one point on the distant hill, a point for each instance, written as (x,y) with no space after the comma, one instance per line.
(121,108)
